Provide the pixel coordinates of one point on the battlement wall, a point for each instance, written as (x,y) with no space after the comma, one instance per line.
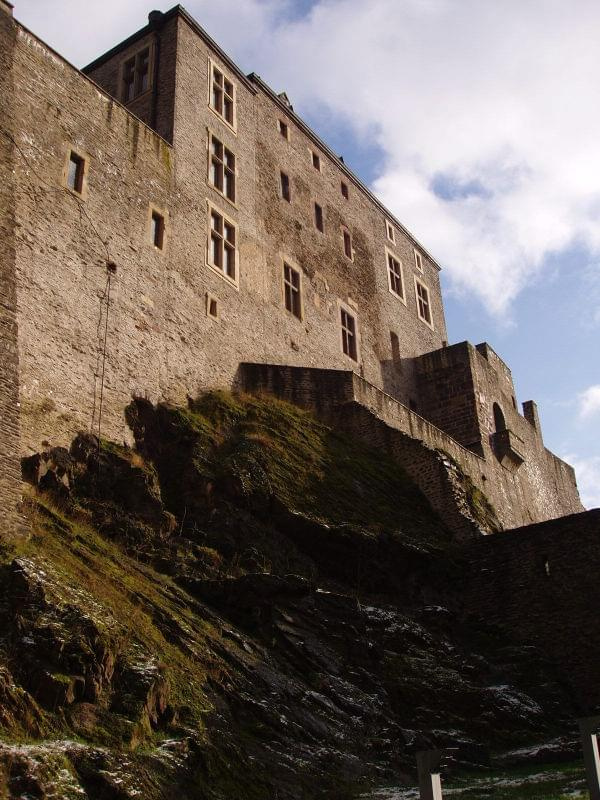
(540,583)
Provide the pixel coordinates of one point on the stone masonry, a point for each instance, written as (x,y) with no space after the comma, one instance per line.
(104,313)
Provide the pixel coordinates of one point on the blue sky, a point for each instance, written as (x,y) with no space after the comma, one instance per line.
(478,124)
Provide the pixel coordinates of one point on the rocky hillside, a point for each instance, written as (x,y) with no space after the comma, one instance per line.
(246,605)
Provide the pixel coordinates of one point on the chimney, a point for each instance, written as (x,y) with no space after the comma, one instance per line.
(6,7)
(154,18)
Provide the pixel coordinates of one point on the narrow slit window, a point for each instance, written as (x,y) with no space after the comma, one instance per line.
(75,173)
(291,286)
(319,218)
(222,95)
(418,261)
(348,334)
(212,306)
(390,231)
(347,244)
(395,343)
(223,244)
(286,191)
(157,230)
(395,276)
(344,188)
(423,303)
(222,168)
(316,161)
(284,129)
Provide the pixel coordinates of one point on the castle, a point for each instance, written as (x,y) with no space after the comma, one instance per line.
(169,224)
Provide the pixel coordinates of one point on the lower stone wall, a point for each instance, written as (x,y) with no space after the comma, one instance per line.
(10,472)
(540,584)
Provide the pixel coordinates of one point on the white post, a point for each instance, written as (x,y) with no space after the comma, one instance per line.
(428,767)
(591,756)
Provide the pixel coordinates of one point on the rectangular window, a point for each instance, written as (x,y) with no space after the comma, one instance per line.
(319,218)
(136,75)
(418,261)
(291,286)
(316,160)
(391,233)
(157,230)
(395,276)
(395,343)
(223,245)
(347,243)
(212,306)
(344,188)
(75,173)
(348,334)
(286,191)
(423,303)
(284,129)
(222,95)
(222,168)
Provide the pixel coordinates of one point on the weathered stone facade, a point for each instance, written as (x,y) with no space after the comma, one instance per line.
(104,314)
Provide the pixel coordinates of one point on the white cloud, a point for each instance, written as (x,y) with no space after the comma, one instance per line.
(495,103)
(589,402)
(588,478)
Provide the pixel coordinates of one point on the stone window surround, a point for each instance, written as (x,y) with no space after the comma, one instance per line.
(212,65)
(154,209)
(283,123)
(316,159)
(390,232)
(84,157)
(352,312)
(284,260)
(419,282)
(285,193)
(210,299)
(221,193)
(148,45)
(388,254)
(343,231)
(418,260)
(210,207)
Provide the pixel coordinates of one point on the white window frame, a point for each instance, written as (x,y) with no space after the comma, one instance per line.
(293,266)
(390,232)
(212,66)
(221,192)
(427,322)
(418,260)
(219,270)
(389,254)
(344,308)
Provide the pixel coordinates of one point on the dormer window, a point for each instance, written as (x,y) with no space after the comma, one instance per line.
(136,75)
(222,95)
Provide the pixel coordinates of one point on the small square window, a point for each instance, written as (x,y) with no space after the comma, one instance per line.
(75,173)
(319,218)
(347,243)
(348,323)
(284,129)
(291,288)
(212,306)
(157,230)
(344,188)
(286,191)
(418,261)
(390,231)
(316,160)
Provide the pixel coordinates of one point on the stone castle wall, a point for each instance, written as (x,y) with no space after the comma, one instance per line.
(540,583)
(9,356)
(348,402)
